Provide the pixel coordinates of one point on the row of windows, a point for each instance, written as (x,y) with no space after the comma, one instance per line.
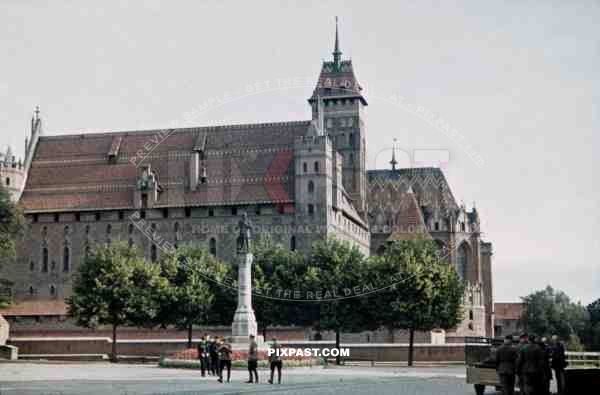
(342,122)
(47,266)
(315,167)
(51,290)
(165,211)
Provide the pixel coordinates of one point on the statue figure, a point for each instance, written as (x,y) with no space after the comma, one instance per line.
(243,240)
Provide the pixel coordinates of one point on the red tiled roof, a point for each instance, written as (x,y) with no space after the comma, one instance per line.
(72,172)
(409,224)
(36,307)
(508,311)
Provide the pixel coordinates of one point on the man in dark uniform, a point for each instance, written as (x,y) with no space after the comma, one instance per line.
(214,356)
(559,363)
(506,365)
(530,366)
(203,355)
(547,370)
(224,359)
(275,360)
(253,360)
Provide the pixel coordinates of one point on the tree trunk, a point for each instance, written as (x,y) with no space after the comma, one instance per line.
(190,327)
(337,346)
(264,332)
(392,338)
(411,341)
(113,354)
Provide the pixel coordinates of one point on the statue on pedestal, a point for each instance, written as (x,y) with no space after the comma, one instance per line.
(243,240)
(244,320)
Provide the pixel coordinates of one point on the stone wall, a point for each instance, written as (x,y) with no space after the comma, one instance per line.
(156,348)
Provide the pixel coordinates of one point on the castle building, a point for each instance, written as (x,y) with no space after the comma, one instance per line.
(298,181)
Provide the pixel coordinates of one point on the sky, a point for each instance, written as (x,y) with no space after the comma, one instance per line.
(518,82)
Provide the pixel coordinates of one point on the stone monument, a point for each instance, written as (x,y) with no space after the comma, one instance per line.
(244,321)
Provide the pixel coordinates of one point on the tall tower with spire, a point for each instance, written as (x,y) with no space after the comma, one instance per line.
(338,101)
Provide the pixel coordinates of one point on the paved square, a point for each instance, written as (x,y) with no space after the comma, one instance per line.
(105,378)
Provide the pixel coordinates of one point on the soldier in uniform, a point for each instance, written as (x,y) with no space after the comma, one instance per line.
(275,361)
(559,363)
(214,356)
(225,352)
(530,367)
(547,369)
(506,365)
(203,355)
(253,360)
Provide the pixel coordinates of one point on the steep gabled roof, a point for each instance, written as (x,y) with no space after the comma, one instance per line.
(72,172)
(409,224)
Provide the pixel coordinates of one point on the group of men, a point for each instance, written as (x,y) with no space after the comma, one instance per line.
(532,362)
(215,355)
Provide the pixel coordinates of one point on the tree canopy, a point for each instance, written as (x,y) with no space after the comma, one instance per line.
(115,286)
(551,312)
(193,274)
(420,292)
(11,224)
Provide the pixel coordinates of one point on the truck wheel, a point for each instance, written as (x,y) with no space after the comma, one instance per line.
(479,389)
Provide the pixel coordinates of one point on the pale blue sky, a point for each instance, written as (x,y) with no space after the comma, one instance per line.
(519,80)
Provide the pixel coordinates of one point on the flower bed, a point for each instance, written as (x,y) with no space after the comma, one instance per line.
(188,359)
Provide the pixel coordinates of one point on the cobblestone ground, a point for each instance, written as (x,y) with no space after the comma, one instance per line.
(104,378)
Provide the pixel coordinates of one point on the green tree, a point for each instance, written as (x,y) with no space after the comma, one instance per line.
(276,269)
(591,336)
(337,270)
(420,292)
(11,224)
(193,275)
(115,286)
(550,312)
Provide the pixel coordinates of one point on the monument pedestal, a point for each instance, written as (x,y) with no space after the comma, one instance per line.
(244,320)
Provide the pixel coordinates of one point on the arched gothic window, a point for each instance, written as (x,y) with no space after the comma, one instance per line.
(311,187)
(316,167)
(462,261)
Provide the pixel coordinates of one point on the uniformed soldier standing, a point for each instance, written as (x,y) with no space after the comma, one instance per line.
(559,363)
(530,366)
(203,355)
(225,352)
(253,360)
(275,360)
(547,369)
(214,356)
(506,366)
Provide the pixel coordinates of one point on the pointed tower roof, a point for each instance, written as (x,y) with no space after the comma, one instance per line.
(410,224)
(337,78)
(394,162)
(337,54)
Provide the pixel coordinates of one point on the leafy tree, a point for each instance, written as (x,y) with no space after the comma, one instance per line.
(276,269)
(419,293)
(591,337)
(550,312)
(115,286)
(193,274)
(337,271)
(11,224)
